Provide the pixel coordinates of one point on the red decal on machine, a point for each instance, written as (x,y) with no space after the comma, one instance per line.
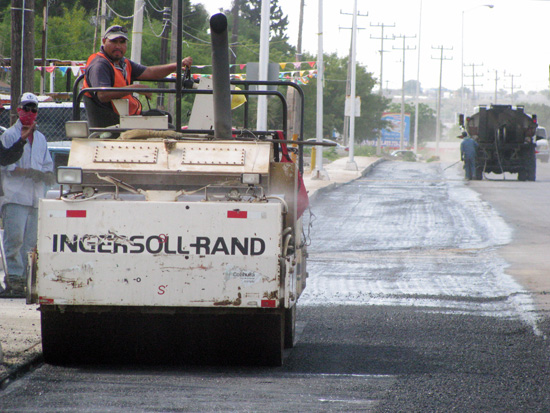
(237,214)
(44,300)
(76,213)
(269,303)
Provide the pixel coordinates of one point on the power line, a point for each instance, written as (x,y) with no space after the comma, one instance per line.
(512,76)
(121,16)
(473,76)
(382,51)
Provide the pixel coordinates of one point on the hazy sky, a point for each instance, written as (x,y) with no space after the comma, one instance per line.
(510,39)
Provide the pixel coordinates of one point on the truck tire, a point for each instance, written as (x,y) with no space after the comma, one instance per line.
(54,342)
(73,337)
(275,347)
(62,342)
(290,326)
(532,168)
(529,170)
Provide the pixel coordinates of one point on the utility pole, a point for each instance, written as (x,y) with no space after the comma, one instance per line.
(349,75)
(22,52)
(137,31)
(405,48)
(512,85)
(382,51)
(381,91)
(171,105)
(350,164)
(319,172)
(261,118)
(103,18)
(417,91)
(173,38)
(473,76)
(293,98)
(438,124)
(496,86)
(46,4)
(166,12)
(234,33)
(96,25)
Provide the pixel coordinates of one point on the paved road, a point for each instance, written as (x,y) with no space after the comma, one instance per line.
(525,207)
(408,308)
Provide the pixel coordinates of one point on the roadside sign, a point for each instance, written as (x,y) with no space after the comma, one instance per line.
(391,136)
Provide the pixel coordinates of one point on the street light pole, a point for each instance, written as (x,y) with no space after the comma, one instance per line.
(462,55)
(351,165)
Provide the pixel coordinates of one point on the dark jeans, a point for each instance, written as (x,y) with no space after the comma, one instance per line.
(470,167)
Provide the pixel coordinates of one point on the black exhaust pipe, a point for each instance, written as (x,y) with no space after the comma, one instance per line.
(220,76)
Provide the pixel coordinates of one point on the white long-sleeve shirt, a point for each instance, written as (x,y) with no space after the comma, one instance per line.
(20,189)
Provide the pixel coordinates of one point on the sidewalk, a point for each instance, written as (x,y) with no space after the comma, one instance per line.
(20,323)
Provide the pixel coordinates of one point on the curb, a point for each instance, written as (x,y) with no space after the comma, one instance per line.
(20,370)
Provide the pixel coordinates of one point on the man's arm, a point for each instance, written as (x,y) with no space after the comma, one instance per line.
(12,154)
(161,71)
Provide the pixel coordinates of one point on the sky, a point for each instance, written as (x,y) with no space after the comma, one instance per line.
(507,42)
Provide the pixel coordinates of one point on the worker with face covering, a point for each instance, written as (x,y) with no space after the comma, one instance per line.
(24,183)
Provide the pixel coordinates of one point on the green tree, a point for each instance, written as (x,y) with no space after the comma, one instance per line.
(76,46)
(334,95)
(248,40)
(251,13)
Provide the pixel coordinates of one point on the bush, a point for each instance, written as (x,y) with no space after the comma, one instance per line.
(364,150)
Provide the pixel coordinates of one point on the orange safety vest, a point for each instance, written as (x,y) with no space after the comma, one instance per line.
(120,81)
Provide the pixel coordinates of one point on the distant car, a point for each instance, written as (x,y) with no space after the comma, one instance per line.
(404,154)
(543,149)
(340,149)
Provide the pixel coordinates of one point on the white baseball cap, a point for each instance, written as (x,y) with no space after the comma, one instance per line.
(116,31)
(27,98)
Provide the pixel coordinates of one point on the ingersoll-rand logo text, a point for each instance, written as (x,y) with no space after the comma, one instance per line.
(156,244)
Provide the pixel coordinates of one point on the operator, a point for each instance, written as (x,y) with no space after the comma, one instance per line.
(468,148)
(109,68)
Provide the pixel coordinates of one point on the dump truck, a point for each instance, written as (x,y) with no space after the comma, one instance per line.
(173,245)
(506,136)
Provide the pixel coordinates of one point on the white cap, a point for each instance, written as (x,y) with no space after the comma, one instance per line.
(27,98)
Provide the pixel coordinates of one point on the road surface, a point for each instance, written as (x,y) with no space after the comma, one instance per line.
(409,307)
